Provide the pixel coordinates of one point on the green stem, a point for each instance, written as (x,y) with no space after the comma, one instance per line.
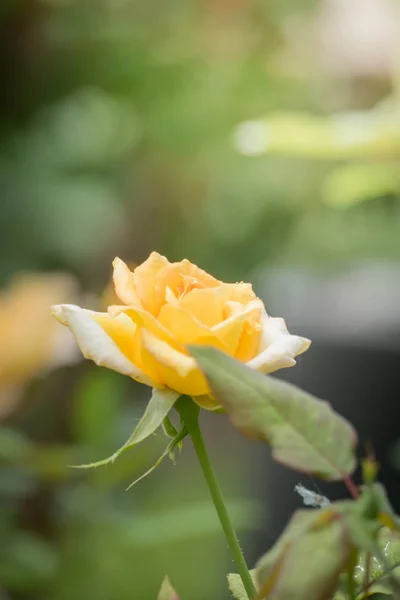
(351,590)
(189,413)
(368,560)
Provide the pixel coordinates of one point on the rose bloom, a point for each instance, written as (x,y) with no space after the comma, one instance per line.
(168,306)
(30,342)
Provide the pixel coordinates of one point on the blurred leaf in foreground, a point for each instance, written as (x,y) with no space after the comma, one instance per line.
(307,560)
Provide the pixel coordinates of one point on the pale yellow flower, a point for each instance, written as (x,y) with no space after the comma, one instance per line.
(30,341)
(168,306)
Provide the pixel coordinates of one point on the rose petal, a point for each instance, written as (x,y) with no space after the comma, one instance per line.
(206,305)
(278,347)
(145,279)
(242,330)
(249,342)
(106,341)
(241,292)
(144,319)
(181,278)
(176,370)
(170,297)
(124,283)
(188,330)
(133,343)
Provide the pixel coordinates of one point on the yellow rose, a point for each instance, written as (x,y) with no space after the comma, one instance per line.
(167,306)
(30,341)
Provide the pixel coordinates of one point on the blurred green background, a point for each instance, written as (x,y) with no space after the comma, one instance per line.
(250,136)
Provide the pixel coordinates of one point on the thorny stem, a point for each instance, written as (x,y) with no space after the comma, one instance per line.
(189,413)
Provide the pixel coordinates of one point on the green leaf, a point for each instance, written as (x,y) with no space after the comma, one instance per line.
(169,451)
(389,541)
(306,562)
(363,527)
(236,586)
(381,573)
(157,409)
(300,522)
(303,431)
(167,592)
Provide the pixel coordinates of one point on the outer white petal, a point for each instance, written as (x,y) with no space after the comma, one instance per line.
(94,342)
(278,347)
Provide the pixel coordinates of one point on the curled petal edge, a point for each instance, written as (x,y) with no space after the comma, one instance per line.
(95,343)
(278,347)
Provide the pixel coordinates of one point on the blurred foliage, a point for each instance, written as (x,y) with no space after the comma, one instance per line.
(118,121)
(66,535)
(121,120)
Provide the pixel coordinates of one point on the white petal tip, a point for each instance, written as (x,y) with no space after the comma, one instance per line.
(304,344)
(57,311)
(278,347)
(117,262)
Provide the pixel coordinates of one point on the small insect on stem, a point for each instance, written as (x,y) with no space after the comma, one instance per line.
(311,498)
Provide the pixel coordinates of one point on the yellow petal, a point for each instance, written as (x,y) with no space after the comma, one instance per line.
(170,297)
(176,370)
(181,278)
(127,336)
(249,342)
(206,305)
(124,283)
(186,329)
(241,292)
(184,272)
(145,320)
(242,327)
(145,278)
(106,341)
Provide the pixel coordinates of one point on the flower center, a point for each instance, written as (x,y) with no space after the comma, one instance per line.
(188,284)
